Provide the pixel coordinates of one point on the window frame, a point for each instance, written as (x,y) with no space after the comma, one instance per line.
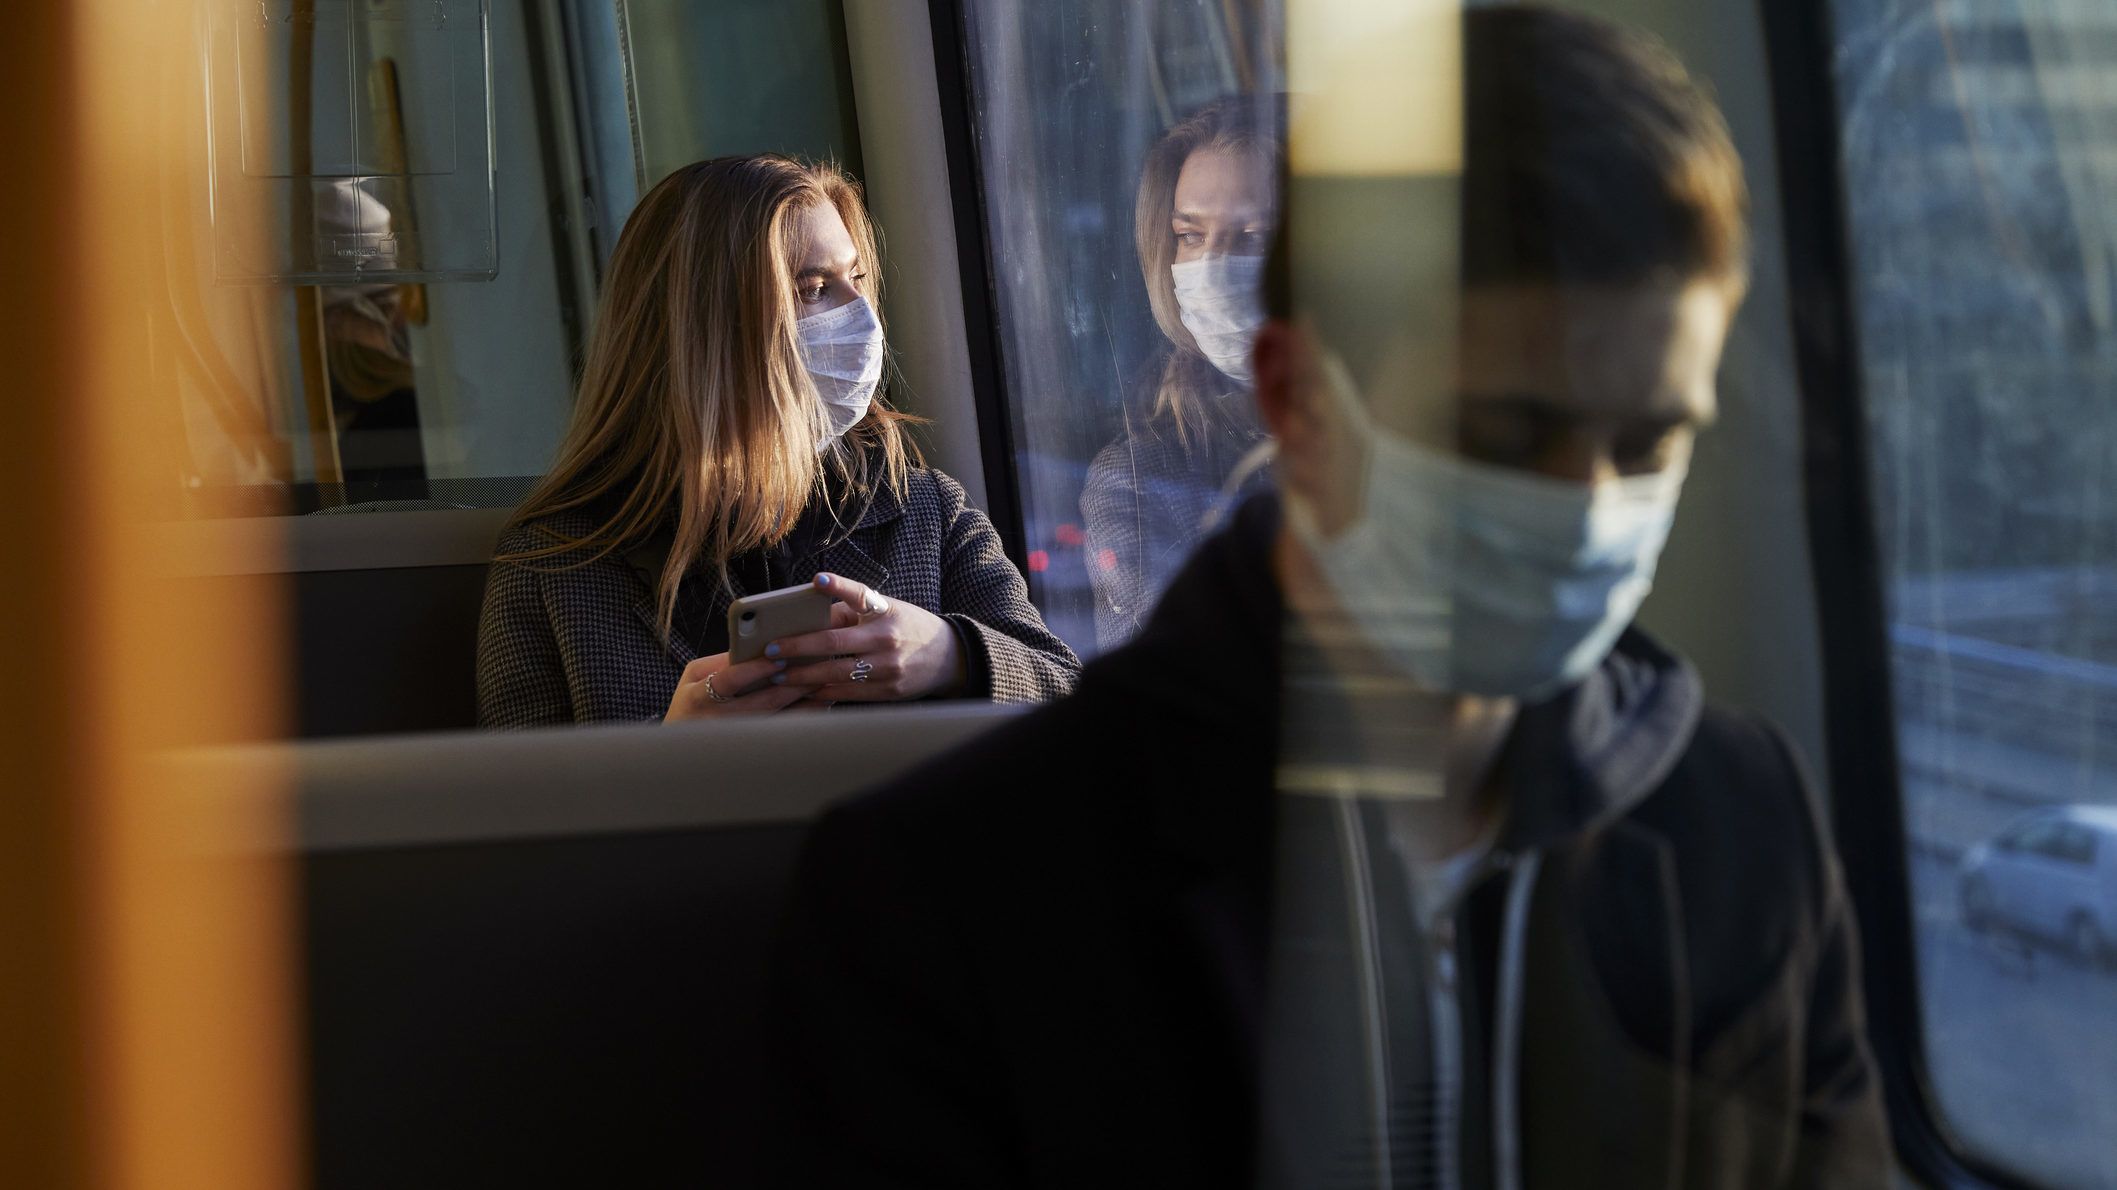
(981,323)
(1863,763)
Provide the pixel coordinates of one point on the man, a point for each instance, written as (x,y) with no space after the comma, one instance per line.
(1389,855)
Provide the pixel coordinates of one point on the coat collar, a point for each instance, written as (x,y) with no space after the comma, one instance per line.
(1600,748)
(645,559)
(842,554)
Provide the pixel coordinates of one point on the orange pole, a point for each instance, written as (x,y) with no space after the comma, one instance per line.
(147,1012)
(43,1085)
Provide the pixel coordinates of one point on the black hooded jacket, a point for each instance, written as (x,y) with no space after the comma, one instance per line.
(1101,947)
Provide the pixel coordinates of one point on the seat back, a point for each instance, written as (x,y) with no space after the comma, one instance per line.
(541,958)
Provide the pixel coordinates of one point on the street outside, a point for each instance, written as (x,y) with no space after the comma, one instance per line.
(2020,1046)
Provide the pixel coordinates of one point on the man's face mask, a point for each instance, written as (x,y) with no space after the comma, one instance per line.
(1488,580)
(843,352)
(1221,302)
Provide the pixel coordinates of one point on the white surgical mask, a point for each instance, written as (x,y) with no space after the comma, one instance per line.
(1488,580)
(843,351)
(1221,302)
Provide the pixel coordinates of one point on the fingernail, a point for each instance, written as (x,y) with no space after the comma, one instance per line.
(823,580)
(779,679)
(771,650)
(779,664)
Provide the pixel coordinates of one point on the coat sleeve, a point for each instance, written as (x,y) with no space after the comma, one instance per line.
(1116,534)
(875,1027)
(1843,1138)
(521,674)
(1015,658)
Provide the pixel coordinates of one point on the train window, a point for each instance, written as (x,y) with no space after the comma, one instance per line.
(1980,169)
(703,83)
(1122,440)
(475,161)
(363,132)
(438,380)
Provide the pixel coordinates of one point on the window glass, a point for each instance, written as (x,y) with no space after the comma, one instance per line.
(1981,169)
(1124,440)
(2051,842)
(737,76)
(358,133)
(2020,837)
(2037,837)
(442,376)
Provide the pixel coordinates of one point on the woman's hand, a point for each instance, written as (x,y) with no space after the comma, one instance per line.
(897,651)
(710,688)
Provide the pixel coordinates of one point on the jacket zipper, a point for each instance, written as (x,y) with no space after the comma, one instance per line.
(1445,1014)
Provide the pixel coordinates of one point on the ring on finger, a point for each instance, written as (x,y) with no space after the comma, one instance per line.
(862,667)
(713,694)
(874,604)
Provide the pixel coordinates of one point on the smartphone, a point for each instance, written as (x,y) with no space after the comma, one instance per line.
(755,621)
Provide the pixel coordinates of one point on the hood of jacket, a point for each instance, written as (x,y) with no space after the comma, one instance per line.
(1211,663)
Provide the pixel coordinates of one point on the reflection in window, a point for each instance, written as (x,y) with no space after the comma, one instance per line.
(403,337)
(1122,326)
(413,346)
(1981,165)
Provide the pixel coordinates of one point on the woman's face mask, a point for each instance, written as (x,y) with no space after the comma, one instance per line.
(1488,580)
(1221,302)
(843,351)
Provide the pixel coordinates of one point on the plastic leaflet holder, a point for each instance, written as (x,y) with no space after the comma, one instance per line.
(358,134)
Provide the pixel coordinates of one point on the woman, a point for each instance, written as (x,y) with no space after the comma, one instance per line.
(727,440)
(1202,222)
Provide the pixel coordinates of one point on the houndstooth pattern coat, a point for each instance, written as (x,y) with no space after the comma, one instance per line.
(581,645)
(1146,504)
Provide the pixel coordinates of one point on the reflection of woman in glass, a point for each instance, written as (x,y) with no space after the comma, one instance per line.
(727,440)
(1202,222)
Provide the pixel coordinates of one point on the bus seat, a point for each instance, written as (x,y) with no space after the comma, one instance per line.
(386,650)
(540,958)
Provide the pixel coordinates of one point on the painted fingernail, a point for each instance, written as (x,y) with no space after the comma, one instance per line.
(779,664)
(823,580)
(779,679)
(771,650)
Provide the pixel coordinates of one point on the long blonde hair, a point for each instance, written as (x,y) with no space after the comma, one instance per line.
(693,400)
(1238,123)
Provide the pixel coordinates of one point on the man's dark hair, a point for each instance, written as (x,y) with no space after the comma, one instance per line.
(1589,157)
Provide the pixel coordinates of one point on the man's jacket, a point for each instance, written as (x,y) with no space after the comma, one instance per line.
(1102,946)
